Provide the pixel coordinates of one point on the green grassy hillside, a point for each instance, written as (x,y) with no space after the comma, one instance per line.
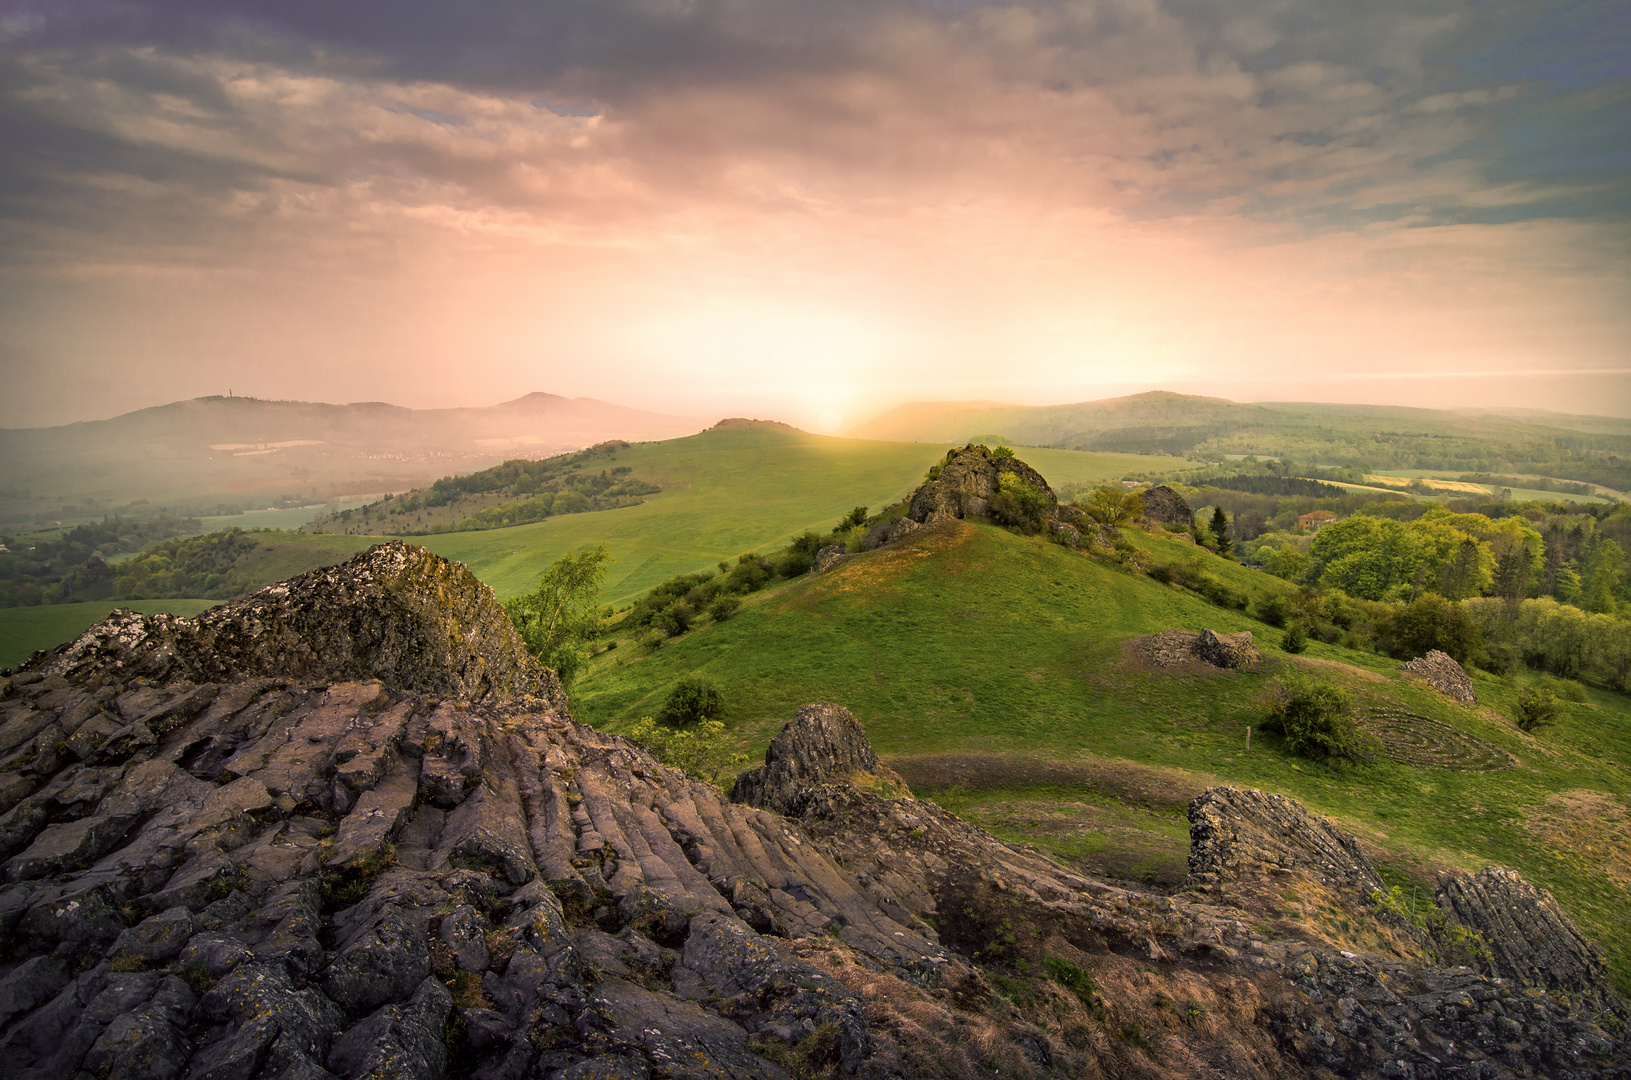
(990,668)
(734,488)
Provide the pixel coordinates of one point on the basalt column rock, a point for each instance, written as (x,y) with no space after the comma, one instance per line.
(1531,940)
(1238,835)
(823,744)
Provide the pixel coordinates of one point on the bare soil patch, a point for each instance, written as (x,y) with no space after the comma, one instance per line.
(1592,825)
(1158,789)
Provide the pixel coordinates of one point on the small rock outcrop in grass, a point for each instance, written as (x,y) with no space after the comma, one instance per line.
(1166,508)
(1171,648)
(1440,671)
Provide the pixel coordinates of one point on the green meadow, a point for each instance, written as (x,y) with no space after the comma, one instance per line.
(991,670)
(738,487)
(729,490)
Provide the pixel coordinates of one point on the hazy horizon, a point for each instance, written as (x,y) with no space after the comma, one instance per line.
(801,214)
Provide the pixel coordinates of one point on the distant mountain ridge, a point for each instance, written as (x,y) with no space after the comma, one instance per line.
(226,451)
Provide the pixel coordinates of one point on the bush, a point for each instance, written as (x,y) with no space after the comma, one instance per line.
(1429,622)
(1274,610)
(1002,452)
(1537,707)
(700,750)
(1295,639)
(1020,504)
(801,553)
(723,608)
(1312,715)
(854,518)
(692,700)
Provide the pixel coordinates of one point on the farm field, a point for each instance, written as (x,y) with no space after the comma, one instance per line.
(991,670)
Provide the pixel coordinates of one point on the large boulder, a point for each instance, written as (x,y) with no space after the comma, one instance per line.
(1167,509)
(1530,939)
(823,744)
(967,480)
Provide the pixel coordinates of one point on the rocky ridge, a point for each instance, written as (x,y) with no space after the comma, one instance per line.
(304,875)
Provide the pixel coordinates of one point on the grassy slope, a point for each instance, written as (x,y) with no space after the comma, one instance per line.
(22,630)
(982,645)
(727,491)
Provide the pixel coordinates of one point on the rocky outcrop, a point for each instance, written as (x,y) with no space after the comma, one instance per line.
(395,613)
(1242,836)
(1173,648)
(1165,508)
(1440,671)
(965,483)
(822,745)
(828,557)
(888,532)
(265,876)
(1531,941)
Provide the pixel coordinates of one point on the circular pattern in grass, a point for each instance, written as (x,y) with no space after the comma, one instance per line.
(1418,740)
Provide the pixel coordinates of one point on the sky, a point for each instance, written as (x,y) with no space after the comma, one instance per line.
(813,211)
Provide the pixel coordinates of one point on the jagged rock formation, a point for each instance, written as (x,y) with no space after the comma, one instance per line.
(822,745)
(1440,671)
(1531,941)
(1166,508)
(967,480)
(1171,648)
(1243,835)
(396,613)
(296,877)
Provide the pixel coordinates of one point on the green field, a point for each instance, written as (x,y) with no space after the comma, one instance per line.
(727,491)
(731,489)
(24,629)
(990,669)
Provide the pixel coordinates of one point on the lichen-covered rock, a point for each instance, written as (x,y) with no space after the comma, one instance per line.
(1531,941)
(966,482)
(1440,671)
(395,612)
(1165,508)
(822,744)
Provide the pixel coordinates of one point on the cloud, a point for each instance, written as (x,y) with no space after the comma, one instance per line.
(1063,182)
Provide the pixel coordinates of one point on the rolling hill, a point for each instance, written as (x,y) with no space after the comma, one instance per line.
(221,455)
(992,671)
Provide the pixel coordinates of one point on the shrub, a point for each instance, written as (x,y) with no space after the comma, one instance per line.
(1312,715)
(1274,610)
(1162,573)
(801,553)
(1537,707)
(1429,622)
(1295,639)
(854,518)
(700,750)
(1020,504)
(692,700)
(1002,452)
(1114,505)
(723,608)
(557,618)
